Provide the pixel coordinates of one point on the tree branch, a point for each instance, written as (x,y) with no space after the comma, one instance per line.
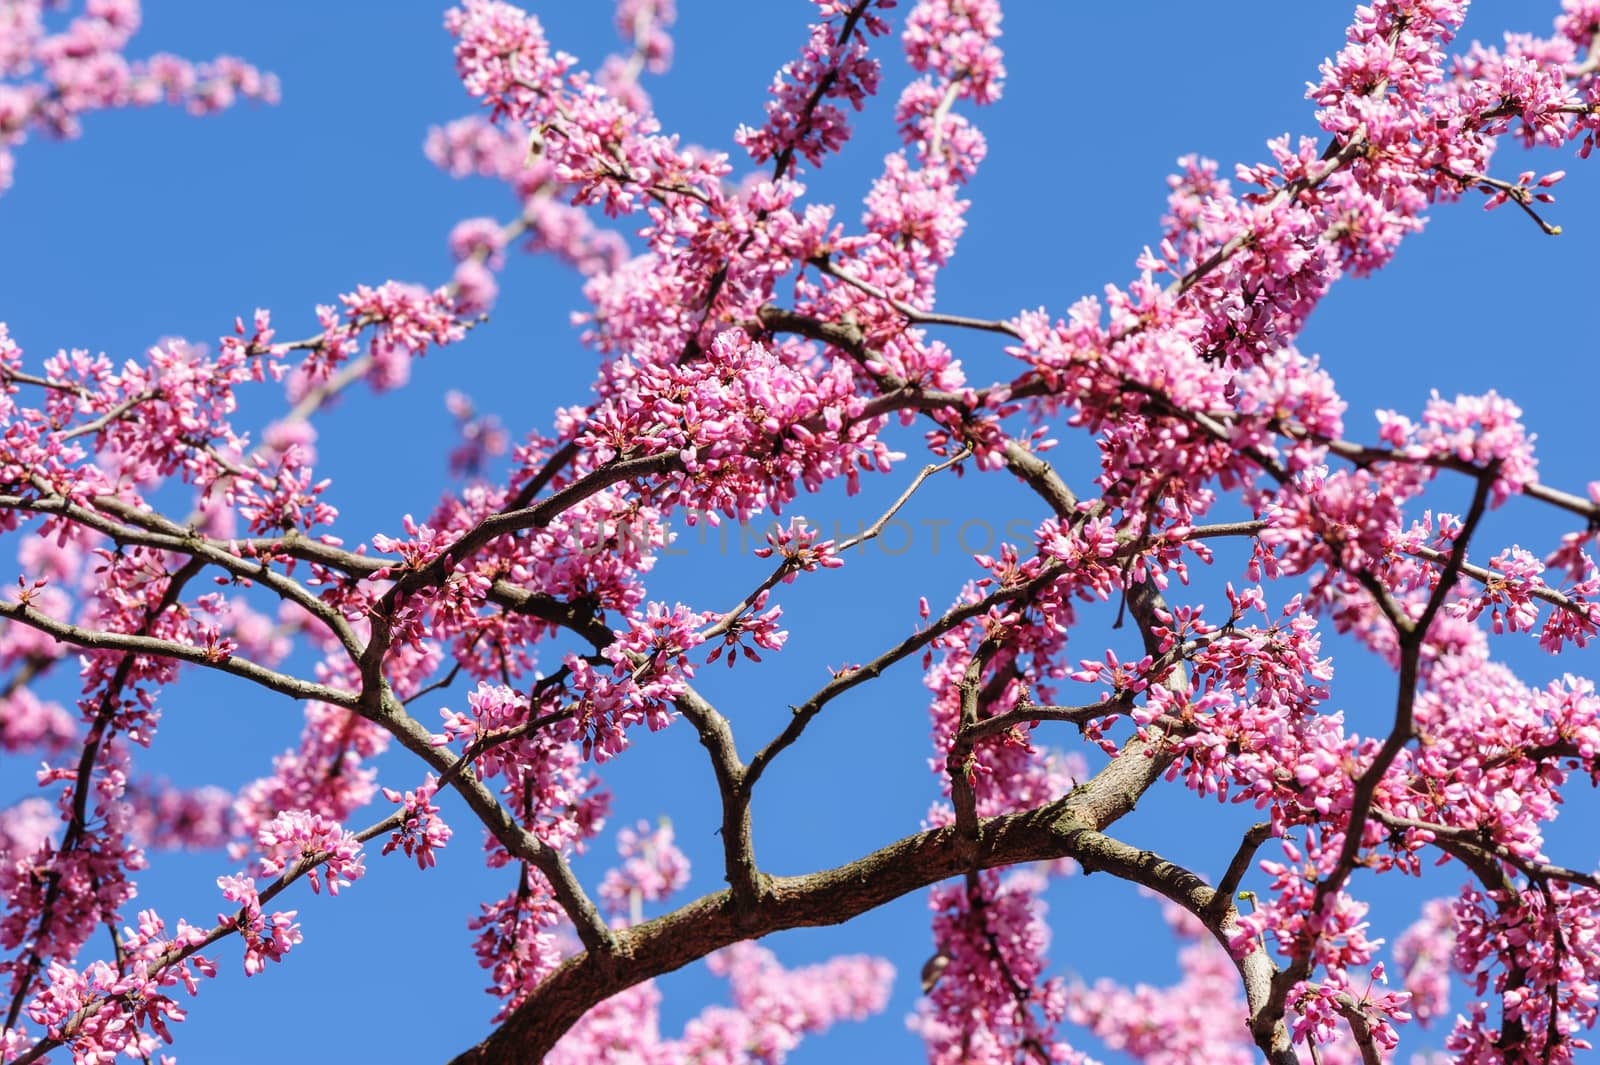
(1067,828)
(271,679)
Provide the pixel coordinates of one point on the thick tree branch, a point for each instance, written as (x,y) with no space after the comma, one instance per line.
(1068,828)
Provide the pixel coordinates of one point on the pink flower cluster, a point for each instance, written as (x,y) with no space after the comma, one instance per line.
(833,65)
(1424,952)
(797,545)
(652,869)
(749,425)
(988,1003)
(326,851)
(954,40)
(267,936)
(53,78)
(565,804)
(1478,430)
(423,832)
(127,1005)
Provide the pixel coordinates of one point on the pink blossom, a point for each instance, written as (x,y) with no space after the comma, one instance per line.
(652,869)
(423,832)
(326,850)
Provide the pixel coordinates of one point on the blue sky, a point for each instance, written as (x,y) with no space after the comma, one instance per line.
(156,224)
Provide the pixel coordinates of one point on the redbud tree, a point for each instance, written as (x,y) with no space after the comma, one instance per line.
(1199,527)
